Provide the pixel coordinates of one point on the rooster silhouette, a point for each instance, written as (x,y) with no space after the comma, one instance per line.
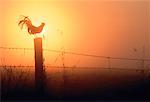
(31,28)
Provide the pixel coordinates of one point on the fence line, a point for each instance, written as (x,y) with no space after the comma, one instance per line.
(79,67)
(85,67)
(74,53)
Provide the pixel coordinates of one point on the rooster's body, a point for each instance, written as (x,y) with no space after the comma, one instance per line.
(31,28)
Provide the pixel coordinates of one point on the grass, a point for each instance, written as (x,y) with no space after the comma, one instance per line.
(18,84)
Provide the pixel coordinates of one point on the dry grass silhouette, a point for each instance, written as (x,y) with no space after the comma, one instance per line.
(13,79)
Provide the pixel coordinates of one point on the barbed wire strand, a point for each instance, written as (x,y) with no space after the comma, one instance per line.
(81,67)
(74,53)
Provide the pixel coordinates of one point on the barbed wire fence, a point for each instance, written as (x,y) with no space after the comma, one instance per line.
(63,52)
(144,67)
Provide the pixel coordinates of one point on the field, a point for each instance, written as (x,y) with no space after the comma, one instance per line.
(75,84)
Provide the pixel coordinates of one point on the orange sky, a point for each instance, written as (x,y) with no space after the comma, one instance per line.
(112,28)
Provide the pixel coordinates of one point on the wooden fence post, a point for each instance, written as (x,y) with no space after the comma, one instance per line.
(39,71)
